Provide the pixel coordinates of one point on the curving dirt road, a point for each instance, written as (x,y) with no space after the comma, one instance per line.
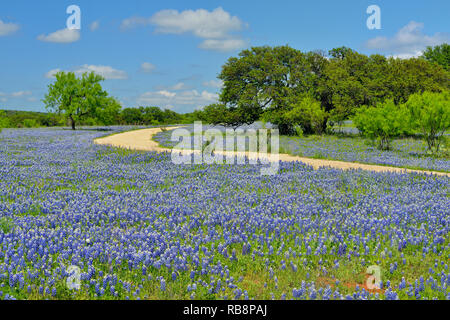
(142,140)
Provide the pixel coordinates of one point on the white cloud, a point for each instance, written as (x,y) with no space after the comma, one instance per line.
(105,71)
(19,94)
(222,44)
(8,28)
(176,87)
(408,42)
(32,99)
(166,93)
(94,25)
(216,24)
(51,74)
(133,22)
(213,84)
(407,55)
(179,86)
(61,36)
(166,98)
(147,67)
(216,27)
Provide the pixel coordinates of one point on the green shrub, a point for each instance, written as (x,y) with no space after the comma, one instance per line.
(30,123)
(430,115)
(382,123)
(299,131)
(3,120)
(307,113)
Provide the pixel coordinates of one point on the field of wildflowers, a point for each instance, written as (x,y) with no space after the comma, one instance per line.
(140,227)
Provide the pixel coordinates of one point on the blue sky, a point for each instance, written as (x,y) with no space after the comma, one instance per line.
(168,53)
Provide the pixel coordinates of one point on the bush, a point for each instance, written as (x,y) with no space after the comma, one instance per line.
(430,115)
(30,123)
(3,120)
(382,123)
(307,113)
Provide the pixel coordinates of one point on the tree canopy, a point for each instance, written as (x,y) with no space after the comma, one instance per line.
(271,83)
(81,97)
(439,55)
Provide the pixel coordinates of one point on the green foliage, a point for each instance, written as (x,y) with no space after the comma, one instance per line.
(409,76)
(80,97)
(263,81)
(17,119)
(299,131)
(307,113)
(219,114)
(439,55)
(30,123)
(3,120)
(108,112)
(150,116)
(430,115)
(382,123)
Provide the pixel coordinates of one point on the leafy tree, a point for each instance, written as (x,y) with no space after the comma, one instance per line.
(342,85)
(308,113)
(262,79)
(382,123)
(409,76)
(132,116)
(430,115)
(77,98)
(439,55)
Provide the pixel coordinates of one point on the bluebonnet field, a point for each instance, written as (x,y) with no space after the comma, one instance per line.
(405,153)
(140,227)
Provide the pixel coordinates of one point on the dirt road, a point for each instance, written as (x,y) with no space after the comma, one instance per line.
(142,140)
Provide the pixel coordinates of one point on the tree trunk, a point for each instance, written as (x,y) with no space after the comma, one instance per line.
(72,122)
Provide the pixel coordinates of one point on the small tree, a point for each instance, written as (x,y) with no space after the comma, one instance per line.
(382,123)
(430,115)
(308,113)
(80,97)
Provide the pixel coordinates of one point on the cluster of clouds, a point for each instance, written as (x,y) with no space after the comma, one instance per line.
(18,94)
(107,72)
(408,42)
(217,28)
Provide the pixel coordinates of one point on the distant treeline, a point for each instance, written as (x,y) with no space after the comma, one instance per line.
(127,116)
